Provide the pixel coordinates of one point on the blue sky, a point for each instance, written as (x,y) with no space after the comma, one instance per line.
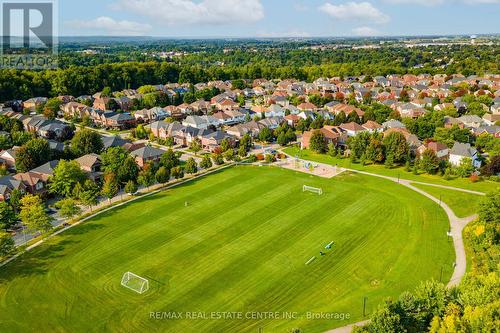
(278,18)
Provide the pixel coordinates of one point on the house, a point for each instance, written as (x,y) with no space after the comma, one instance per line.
(74,109)
(372,126)
(252,128)
(346,109)
(227,105)
(223,118)
(8,157)
(471,121)
(459,151)
(491,118)
(9,184)
(492,130)
(292,119)
(34,183)
(46,170)
(306,107)
(113,141)
(449,122)
(102,103)
(117,120)
(352,129)
(333,134)
(271,123)
(91,164)
(202,122)
(214,140)
(146,155)
(124,103)
(393,124)
(236,116)
(33,103)
(150,115)
(440,149)
(275,111)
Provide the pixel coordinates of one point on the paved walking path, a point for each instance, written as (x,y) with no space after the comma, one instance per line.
(457,225)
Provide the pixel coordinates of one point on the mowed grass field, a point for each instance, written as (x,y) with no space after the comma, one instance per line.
(240,246)
(463,204)
(464,183)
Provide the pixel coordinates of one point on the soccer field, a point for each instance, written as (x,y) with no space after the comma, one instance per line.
(234,259)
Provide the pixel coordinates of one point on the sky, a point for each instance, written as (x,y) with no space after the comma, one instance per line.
(277,18)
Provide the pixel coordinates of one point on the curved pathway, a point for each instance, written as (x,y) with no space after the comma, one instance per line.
(457,226)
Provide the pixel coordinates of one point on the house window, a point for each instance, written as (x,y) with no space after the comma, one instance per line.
(39,186)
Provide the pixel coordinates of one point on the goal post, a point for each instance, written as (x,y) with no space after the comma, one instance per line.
(316,190)
(135,282)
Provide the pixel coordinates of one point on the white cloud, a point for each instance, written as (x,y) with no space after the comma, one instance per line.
(195,12)
(109,26)
(285,34)
(365,31)
(359,11)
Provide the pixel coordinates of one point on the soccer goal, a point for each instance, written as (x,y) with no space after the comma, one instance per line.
(135,282)
(316,190)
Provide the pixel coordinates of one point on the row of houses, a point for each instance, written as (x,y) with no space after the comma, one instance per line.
(339,135)
(36,180)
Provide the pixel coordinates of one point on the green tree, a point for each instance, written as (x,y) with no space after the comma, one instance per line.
(191,166)
(131,187)
(119,161)
(395,145)
(217,159)
(86,142)
(169,159)
(33,154)
(375,150)
(33,214)
(465,168)
(66,175)
(146,177)
(206,162)
(266,135)
(489,211)
(51,108)
(195,146)
(229,155)
(68,208)
(317,142)
(110,187)
(7,245)
(15,200)
(162,175)
(88,193)
(177,172)
(429,162)
(7,216)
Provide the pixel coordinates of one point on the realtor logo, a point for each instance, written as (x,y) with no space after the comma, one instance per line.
(29,35)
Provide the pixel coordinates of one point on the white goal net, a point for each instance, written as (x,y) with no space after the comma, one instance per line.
(135,282)
(316,190)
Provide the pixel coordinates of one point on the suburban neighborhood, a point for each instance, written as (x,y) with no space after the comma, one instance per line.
(250,166)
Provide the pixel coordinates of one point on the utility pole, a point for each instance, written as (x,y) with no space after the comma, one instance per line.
(364,306)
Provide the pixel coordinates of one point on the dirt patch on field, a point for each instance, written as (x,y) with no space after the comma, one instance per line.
(312,168)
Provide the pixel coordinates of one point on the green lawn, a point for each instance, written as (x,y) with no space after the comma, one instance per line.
(239,246)
(483,186)
(463,204)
